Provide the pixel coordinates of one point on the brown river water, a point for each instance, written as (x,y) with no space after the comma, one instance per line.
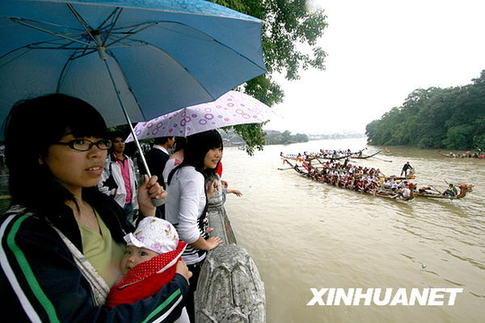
(303,234)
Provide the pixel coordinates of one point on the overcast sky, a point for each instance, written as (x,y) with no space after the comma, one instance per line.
(379,51)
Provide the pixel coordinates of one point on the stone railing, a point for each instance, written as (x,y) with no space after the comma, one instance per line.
(229,287)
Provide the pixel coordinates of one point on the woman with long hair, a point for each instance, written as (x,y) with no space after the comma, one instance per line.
(186,206)
(62,239)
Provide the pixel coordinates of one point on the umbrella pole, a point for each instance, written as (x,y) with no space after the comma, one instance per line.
(156,201)
(127,118)
(102,54)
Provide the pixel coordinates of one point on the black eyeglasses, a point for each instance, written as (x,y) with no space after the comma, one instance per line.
(86,144)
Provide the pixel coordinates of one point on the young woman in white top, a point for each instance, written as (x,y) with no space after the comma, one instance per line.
(186,204)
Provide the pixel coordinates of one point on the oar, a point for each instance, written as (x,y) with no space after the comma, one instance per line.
(285,168)
(432,187)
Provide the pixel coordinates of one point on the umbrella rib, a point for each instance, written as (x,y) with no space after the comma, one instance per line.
(84,53)
(40,22)
(61,76)
(57,48)
(21,22)
(64,68)
(53,45)
(29,47)
(117,9)
(89,29)
(81,21)
(126,81)
(131,33)
(13,58)
(131,29)
(239,54)
(113,23)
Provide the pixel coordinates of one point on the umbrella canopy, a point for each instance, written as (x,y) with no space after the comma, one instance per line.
(161,54)
(230,109)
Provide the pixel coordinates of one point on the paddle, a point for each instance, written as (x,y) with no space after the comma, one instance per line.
(432,187)
(285,168)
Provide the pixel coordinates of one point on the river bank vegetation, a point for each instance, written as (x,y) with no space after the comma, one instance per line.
(282,138)
(451,118)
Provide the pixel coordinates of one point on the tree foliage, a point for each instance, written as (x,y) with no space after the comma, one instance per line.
(452,118)
(285,137)
(289,40)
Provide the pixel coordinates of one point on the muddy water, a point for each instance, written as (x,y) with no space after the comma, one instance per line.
(304,234)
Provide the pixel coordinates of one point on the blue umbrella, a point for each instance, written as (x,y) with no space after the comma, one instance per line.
(149,56)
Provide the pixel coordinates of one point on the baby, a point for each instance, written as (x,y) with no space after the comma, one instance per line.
(152,258)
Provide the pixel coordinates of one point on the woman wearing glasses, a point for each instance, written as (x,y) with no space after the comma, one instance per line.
(62,240)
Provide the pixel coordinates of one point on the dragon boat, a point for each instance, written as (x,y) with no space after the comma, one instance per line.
(463,190)
(322,155)
(386,194)
(465,155)
(422,192)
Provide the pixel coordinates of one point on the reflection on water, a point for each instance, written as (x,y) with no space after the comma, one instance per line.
(304,234)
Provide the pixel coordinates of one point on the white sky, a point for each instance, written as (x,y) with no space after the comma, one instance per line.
(379,51)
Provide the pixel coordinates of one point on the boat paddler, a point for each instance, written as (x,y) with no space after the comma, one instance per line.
(405,169)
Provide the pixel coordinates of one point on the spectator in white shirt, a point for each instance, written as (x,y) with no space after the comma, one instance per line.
(186,205)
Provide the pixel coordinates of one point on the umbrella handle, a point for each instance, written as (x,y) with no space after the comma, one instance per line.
(158,202)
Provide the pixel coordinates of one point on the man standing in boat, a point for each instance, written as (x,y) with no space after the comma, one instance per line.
(451,191)
(405,169)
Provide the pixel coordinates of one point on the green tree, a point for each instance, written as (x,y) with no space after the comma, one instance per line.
(289,39)
(479,134)
(301,137)
(479,142)
(459,136)
(452,118)
(286,136)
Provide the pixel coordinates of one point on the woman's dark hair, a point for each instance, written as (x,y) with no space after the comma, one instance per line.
(180,143)
(197,147)
(31,127)
(195,150)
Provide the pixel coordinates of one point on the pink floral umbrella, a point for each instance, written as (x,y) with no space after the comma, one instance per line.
(230,109)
